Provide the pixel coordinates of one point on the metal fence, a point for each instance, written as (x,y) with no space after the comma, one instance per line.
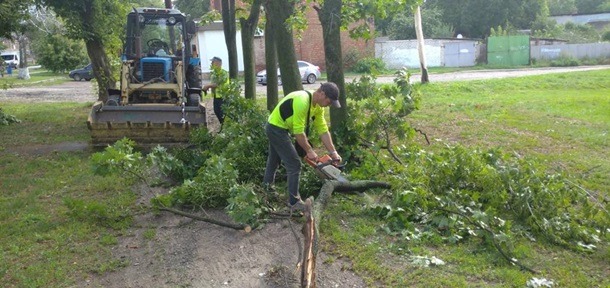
(579,51)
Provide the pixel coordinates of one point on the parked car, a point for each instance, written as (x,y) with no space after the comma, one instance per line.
(309,73)
(82,73)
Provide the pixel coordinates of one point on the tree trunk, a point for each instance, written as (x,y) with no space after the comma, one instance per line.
(248,28)
(101,68)
(271,63)
(420,45)
(279,12)
(168,4)
(24,72)
(330,17)
(229,28)
(313,215)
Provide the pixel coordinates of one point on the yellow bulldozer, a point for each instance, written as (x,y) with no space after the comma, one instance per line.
(160,92)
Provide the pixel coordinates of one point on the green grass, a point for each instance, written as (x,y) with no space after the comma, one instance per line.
(561,119)
(47,123)
(58,221)
(38,77)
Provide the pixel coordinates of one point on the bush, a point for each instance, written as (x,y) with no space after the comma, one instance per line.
(606,36)
(565,62)
(59,54)
(6,119)
(211,186)
(369,65)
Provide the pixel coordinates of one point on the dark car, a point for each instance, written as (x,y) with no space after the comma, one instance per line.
(82,73)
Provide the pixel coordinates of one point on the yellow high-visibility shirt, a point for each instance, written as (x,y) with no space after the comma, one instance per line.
(291,113)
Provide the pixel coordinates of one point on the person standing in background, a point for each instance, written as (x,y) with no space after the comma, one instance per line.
(218,77)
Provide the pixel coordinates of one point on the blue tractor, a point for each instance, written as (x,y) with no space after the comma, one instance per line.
(159,97)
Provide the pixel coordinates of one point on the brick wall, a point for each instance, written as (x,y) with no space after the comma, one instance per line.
(311,47)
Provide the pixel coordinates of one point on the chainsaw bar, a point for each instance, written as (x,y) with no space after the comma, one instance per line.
(325,169)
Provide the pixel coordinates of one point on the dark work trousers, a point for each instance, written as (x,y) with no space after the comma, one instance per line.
(218,110)
(282,149)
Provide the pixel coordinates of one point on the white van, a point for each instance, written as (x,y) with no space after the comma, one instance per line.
(10,58)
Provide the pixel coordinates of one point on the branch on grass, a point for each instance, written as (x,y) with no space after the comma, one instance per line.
(493,240)
(422,133)
(243,227)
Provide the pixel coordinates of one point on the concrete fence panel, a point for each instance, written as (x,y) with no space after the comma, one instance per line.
(579,51)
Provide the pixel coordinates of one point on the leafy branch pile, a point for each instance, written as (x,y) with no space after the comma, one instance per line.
(448,196)
(460,193)
(6,119)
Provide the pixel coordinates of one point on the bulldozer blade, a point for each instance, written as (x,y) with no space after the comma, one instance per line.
(144,123)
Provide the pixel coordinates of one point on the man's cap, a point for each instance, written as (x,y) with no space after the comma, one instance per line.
(216,59)
(332,92)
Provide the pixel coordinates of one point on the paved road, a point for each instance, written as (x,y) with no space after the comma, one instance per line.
(83,91)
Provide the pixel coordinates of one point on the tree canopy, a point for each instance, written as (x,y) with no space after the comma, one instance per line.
(474,18)
(194,8)
(12,13)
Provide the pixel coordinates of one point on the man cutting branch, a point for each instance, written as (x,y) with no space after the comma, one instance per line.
(293,115)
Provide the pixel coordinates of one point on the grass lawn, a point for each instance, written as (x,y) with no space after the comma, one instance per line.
(562,120)
(38,77)
(58,221)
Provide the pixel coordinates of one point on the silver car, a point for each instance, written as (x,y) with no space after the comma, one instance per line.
(309,73)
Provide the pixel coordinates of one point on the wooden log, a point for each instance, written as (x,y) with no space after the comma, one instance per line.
(313,215)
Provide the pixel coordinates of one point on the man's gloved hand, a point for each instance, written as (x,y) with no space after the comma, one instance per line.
(311,155)
(335,156)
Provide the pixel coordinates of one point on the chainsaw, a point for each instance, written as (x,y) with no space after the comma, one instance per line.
(327,169)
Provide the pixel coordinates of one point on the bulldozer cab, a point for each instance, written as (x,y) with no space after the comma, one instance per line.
(160,83)
(159,32)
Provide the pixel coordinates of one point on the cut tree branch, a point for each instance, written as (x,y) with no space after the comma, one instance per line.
(313,215)
(243,227)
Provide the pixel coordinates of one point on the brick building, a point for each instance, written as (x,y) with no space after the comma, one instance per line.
(311,47)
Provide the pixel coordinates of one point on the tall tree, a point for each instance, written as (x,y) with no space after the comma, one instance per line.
(248,28)
(335,14)
(474,18)
(560,7)
(13,13)
(93,21)
(230,31)
(331,19)
(270,62)
(278,14)
(194,8)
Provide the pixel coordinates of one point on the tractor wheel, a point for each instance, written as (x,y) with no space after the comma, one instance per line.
(193,76)
(193,100)
(113,100)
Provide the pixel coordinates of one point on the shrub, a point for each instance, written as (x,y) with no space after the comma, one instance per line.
(6,119)
(210,188)
(565,62)
(606,36)
(369,65)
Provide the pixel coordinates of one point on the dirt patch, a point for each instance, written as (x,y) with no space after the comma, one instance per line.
(167,250)
(41,149)
(71,91)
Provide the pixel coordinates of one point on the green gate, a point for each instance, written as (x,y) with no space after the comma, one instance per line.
(511,50)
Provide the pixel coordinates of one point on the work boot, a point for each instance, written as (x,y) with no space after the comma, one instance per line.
(298,206)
